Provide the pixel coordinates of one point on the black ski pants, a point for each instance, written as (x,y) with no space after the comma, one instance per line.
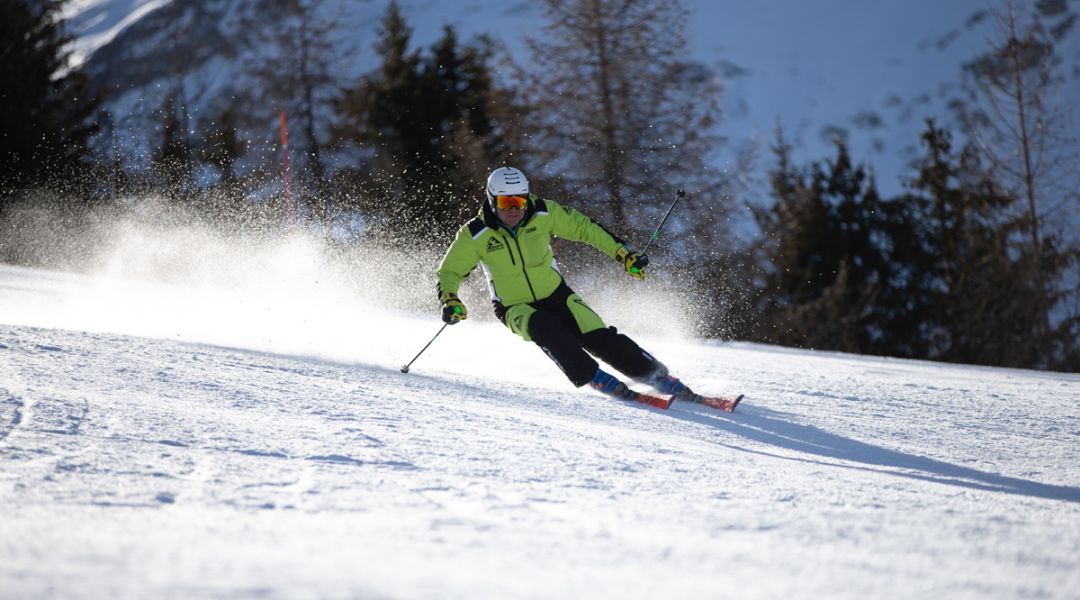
(556,330)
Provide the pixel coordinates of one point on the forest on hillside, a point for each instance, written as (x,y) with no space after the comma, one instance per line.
(974,262)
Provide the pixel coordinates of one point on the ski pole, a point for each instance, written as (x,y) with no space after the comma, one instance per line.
(405,368)
(644,260)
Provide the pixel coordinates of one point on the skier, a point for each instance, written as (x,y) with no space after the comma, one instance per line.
(511,239)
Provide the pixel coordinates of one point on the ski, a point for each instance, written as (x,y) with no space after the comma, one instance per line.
(657,401)
(726,404)
(721,403)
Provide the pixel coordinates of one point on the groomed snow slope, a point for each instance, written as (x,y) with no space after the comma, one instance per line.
(148,450)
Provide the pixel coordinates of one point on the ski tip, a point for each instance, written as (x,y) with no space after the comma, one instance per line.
(721,403)
(736,402)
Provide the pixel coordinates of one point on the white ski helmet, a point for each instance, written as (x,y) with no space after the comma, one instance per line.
(506,181)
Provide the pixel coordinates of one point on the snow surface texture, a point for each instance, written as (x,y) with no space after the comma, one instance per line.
(232,440)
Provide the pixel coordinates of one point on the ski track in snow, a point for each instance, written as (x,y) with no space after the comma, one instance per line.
(140,462)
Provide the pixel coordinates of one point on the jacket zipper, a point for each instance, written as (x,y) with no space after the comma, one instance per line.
(523,271)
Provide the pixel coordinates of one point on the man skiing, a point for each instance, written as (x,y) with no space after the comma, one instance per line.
(511,240)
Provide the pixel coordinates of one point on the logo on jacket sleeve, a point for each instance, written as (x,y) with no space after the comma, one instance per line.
(494,244)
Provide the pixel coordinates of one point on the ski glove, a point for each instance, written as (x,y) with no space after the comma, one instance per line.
(452,309)
(633,262)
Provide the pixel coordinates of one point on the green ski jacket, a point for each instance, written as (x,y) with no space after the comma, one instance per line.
(518,263)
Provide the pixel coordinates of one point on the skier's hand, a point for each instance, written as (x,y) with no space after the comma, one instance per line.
(633,262)
(452,309)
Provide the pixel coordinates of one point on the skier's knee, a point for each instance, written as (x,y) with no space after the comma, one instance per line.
(519,319)
(551,335)
(585,317)
(541,327)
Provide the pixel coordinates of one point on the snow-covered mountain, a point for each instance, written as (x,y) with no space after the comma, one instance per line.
(868,71)
(225,436)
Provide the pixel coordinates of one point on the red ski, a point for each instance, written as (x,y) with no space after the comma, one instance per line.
(721,403)
(724,403)
(657,401)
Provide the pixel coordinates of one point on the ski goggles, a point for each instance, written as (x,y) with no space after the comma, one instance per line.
(509,202)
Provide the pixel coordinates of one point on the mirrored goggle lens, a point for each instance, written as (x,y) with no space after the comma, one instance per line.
(508,202)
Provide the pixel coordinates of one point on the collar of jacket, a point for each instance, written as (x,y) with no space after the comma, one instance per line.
(490,219)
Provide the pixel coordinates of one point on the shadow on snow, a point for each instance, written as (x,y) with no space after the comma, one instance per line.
(770,427)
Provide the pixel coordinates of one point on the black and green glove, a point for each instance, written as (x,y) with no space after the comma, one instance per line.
(452,309)
(633,262)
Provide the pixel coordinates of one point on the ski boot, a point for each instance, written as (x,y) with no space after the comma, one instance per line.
(665,383)
(605,383)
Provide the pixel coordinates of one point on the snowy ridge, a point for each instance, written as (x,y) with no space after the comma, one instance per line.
(143,461)
(97,22)
(778,60)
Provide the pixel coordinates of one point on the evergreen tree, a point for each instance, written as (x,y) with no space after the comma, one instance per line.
(940,272)
(458,81)
(988,306)
(45,111)
(828,271)
(426,123)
